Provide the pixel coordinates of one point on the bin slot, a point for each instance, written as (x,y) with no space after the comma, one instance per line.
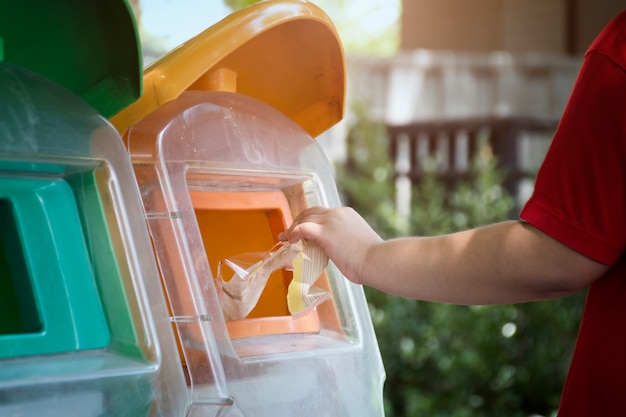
(50,272)
(232,223)
(18,310)
(236,222)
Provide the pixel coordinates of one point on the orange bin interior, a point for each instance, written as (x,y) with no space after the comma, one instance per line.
(233,223)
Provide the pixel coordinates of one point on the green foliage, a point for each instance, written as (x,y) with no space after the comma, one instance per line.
(481,201)
(239,4)
(368,177)
(451,360)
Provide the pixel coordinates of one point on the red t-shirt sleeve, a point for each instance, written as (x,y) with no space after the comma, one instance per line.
(580,191)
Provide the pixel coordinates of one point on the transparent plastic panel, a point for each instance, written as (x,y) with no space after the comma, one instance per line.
(221,174)
(90,330)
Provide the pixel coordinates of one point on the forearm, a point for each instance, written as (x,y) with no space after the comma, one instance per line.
(502,263)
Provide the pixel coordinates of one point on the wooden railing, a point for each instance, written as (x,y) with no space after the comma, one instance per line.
(455,143)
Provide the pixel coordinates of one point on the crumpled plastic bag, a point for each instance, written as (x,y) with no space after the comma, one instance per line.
(309,264)
(249,273)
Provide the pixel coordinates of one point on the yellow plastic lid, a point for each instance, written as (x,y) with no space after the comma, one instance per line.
(285,53)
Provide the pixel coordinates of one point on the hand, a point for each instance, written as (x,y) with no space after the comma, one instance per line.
(341,232)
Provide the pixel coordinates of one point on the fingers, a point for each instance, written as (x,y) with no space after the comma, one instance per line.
(305,225)
(307,231)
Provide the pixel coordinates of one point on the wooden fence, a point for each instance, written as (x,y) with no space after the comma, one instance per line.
(518,143)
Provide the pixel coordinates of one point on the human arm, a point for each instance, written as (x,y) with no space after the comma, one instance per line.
(506,262)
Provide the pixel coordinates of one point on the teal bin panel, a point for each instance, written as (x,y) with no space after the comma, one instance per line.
(46,271)
(108,261)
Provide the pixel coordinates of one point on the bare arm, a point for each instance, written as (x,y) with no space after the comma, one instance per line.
(506,262)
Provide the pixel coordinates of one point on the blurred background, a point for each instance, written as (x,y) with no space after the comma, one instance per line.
(451,106)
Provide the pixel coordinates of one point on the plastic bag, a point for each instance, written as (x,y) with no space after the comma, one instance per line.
(308,265)
(249,273)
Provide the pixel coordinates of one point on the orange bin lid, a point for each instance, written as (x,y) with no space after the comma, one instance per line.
(285,53)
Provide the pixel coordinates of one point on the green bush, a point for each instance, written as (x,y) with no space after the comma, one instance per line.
(451,360)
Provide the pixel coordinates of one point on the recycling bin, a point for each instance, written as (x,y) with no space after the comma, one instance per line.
(84,325)
(223,150)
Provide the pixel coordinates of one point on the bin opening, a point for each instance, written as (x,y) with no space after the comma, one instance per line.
(18,310)
(52,304)
(64,280)
(232,223)
(251,223)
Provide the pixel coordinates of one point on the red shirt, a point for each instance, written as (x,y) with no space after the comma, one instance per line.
(580,200)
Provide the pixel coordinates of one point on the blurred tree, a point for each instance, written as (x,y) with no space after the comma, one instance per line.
(238,4)
(368,175)
(451,360)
